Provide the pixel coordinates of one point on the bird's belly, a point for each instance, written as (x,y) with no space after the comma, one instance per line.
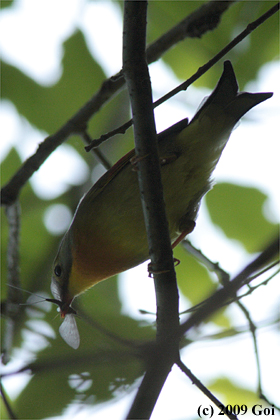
(111,236)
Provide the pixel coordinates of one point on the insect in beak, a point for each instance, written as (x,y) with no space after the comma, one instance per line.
(68,329)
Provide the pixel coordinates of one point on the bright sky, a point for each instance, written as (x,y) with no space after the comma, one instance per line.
(251,158)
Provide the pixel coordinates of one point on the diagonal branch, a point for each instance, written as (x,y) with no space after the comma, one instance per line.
(218,299)
(204,19)
(192,25)
(224,278)
(200,72)
(203,389)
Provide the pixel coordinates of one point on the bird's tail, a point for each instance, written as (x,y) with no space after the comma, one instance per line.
(226,97)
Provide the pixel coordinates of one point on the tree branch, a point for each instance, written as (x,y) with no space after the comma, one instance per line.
(149,176)
(203,388)
(221,296)
(13,294)
(224,278)
(204,19)
(191,25)
(200,72)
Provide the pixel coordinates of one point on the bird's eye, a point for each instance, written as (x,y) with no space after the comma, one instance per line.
(57,270)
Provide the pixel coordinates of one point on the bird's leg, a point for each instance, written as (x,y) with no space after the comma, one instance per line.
(187,227)
(151,271)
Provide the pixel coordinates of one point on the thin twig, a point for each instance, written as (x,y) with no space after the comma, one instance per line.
(202,70)
(231,332)
(232,287)
(100,156)
(203,389)
(224,277)
(236,298)
(217,300)
(107,333)
(204,19)
(13,278)
(95,357)
(265,270)
(77,124)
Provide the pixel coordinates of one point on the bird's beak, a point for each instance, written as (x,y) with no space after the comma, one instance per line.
(65,308)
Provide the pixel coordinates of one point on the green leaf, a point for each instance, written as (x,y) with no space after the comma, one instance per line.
(238,211)
(247,57)
(49,107)
(109,363)
(6,3)
(196,284)
(36,244)
(53,385)
(103,305)
(232,393)
(221,319)
(193,278)
(102,358)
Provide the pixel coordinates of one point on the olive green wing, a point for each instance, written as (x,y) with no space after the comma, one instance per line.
(99,186)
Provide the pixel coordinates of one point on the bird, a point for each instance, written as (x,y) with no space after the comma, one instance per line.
(107,234)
